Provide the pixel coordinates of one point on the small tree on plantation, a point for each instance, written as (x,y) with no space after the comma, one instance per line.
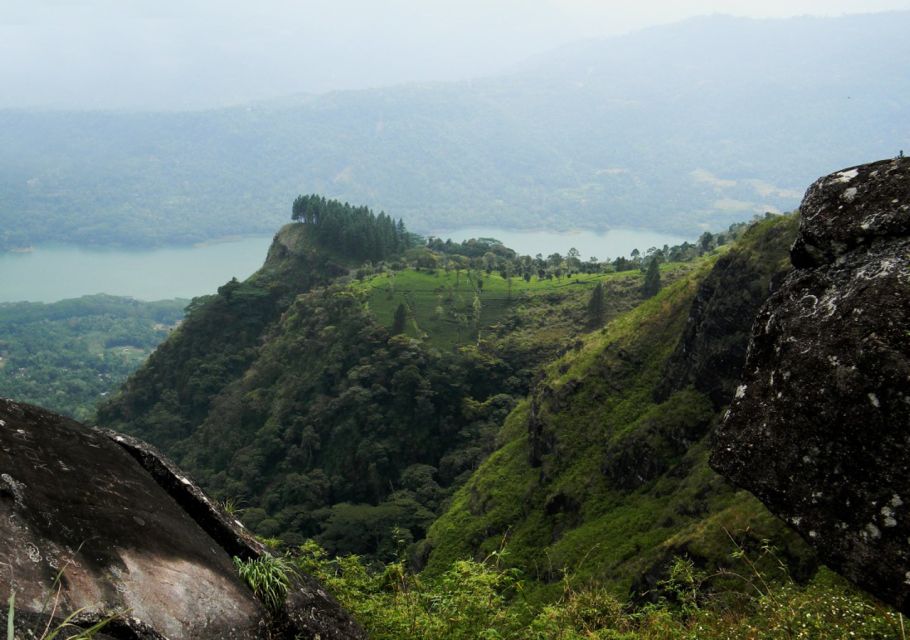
(476,307)
(652,279)
(596,309)
(401,317)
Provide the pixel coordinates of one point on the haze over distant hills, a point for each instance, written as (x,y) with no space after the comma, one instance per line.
(679,128)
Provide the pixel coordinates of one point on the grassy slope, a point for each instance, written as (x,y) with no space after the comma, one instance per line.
(440,304)
(575,513)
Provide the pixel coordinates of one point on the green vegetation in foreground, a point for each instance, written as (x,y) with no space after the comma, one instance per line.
(68,355)
(471,599)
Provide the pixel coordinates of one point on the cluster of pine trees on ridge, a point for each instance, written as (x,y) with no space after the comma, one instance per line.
(355,232)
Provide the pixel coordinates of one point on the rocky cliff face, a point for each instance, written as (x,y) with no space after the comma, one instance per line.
(126,531)
(819,429)
(712,348)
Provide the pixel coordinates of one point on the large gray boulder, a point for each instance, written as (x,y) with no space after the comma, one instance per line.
(128,532)
(819,429)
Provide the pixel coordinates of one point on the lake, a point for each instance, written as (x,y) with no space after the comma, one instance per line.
(607,244)
(52,273)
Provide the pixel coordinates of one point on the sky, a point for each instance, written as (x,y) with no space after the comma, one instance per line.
(177,54)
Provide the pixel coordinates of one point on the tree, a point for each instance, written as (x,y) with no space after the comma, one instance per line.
(622,264)
(401,317)
(596,309)
(652,279)
(705,243)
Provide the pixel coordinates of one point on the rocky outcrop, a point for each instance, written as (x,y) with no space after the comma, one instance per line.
(128,533)
(819,428)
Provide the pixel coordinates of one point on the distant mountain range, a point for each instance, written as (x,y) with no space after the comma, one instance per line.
(677,128)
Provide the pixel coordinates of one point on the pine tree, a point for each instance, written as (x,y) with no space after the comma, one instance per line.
(652,279)
(401,317)
(596,310)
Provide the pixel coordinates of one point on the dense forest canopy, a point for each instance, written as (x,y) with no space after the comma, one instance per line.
(69,355)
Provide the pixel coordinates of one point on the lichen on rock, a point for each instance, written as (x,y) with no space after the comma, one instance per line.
(820,431)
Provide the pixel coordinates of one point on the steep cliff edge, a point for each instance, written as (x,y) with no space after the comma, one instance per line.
(820,426)
(121,530)
(217,341)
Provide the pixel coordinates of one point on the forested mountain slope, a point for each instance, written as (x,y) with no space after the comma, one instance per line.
(347,404)
(677,128)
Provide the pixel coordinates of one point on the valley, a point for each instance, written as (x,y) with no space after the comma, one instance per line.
(67,356)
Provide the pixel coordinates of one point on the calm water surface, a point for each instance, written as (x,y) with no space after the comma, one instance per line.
(609,244)
(52,273)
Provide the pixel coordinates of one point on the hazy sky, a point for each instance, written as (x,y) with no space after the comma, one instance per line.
(194,53)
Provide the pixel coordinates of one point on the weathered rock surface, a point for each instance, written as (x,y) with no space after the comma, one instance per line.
(819,429)
(129,533)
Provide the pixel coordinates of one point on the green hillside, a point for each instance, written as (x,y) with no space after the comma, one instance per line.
(441,307)
(597,515)
(510,447)
(598,475)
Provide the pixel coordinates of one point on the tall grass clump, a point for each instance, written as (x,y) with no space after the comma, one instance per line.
(269,577)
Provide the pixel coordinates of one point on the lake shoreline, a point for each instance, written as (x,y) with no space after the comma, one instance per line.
(50,273)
